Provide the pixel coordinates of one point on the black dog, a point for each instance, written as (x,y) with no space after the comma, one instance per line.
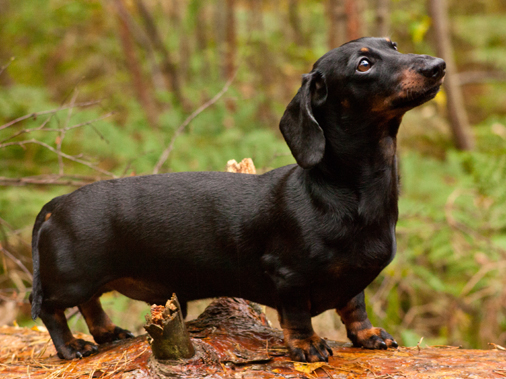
(302,238)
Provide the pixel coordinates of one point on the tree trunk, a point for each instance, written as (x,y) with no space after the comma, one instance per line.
(456,110)
(202,35)
(231,41)
(336,16)
(353,19)
(180,10)
(140,88)
(168,67)
(295,23)
(262,63)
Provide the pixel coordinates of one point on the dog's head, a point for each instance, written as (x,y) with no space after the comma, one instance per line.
(365,81)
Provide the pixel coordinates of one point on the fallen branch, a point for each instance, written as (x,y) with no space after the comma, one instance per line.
(58,180)
(190,118)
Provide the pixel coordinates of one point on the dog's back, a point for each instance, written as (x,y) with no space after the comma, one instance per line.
(199,234)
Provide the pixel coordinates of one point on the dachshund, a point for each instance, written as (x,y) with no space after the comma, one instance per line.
(303,238)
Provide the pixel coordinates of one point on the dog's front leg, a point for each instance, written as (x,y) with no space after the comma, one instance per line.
(295,318)
(360,330)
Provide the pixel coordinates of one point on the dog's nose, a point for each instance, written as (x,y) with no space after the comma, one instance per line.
(435,69)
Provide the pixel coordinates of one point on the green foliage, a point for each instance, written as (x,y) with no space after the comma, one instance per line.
(487,32)
(446,283)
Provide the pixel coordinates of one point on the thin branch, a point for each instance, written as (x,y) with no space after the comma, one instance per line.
(42,129)
(36,114)
(4,67)
(53,180)
(61,137)
(69,157)
(190,118)
(38,128)
(17,262)
(13,232)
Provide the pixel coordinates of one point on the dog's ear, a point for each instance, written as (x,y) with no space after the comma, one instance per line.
(298,125)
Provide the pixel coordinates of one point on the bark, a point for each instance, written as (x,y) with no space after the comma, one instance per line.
(169,68)
(140,87)
(455,103)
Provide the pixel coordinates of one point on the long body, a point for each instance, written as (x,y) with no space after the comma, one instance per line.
(207,234)
(302,238)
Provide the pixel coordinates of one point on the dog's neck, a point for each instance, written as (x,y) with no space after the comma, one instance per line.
(359,148)
(368,167)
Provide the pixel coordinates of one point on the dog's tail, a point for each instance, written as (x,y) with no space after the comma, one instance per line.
(37,295)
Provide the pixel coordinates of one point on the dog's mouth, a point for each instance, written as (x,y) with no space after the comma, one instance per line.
(413,98)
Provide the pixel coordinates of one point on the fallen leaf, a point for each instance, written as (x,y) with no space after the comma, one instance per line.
(309,368)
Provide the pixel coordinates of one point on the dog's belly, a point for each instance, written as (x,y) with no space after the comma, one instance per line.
(143,290)
(192,283)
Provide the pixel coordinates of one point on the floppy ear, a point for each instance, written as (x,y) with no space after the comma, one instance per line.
(300,129)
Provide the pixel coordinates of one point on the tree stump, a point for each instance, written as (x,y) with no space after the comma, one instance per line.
(169,338)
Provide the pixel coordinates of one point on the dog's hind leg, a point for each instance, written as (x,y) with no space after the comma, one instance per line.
(67,346)
(100,325)
(360,330)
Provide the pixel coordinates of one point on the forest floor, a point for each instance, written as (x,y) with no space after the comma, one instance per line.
(234,341)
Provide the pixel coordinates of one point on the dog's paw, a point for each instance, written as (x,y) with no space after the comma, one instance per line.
(76,348)
(110,336)
(372,338)
(311,349)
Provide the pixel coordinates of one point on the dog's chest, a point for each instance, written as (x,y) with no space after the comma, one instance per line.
(351,264)
(361,240)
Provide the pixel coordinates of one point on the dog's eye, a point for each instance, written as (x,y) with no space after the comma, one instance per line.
(364,65)
(394,45)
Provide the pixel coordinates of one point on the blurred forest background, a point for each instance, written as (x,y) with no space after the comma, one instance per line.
(96,89)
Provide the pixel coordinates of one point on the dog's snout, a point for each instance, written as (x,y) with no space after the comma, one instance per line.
(435,69)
